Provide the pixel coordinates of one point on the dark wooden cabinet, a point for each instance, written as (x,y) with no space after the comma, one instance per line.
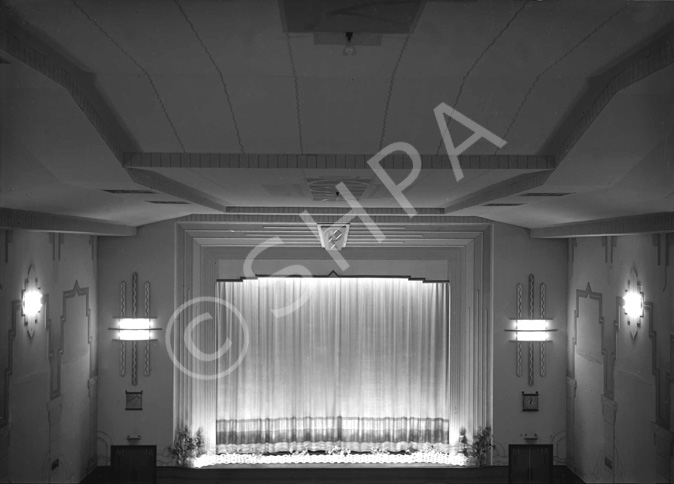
(530,464)
(134,464)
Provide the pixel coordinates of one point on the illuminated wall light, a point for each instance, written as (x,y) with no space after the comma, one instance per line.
(135,329)
(531,330)
(633,304)
(32,303)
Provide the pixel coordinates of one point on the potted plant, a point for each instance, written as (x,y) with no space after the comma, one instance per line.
(463,442)
(186,447)
(482,442)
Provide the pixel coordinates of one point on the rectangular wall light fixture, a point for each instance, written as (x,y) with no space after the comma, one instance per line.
(135,329)
(531,329)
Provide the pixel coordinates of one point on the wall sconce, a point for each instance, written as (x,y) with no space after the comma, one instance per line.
(633,303)
(31,302)
(135,329)
(531,329)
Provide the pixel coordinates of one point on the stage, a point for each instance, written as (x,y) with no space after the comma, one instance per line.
(333,474)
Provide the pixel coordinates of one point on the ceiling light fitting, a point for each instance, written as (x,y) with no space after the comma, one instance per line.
(349,48)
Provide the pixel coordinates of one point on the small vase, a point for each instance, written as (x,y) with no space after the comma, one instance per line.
(189,462)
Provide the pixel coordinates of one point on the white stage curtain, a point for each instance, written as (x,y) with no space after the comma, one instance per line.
(356,363)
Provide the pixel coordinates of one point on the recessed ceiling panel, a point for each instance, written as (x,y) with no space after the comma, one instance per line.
(302,16)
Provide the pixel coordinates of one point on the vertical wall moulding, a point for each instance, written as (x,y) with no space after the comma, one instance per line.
(518,349)
(656,243)
(122,344)
(7,363)
(609,408)
(542,343)
(663,439)
(147,369)
(134,314)
(663,379)
(8,240)
(56,241)
(572,383)
(571,386)
(609,243)
(5,373)
(531,344)
(92,377)
(54,410)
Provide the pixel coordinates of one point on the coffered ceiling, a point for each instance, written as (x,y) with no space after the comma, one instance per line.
(118,114)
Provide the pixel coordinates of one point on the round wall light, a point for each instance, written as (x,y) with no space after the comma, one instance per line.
(633,303)
(31,302)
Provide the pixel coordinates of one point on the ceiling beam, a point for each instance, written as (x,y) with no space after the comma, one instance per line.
(328,161)
(17,39)
(503,189)
(169,186)
(47,222)
(637,224)
(202,221)
(630,70)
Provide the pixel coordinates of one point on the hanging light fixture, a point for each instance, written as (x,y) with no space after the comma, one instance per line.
(349,48)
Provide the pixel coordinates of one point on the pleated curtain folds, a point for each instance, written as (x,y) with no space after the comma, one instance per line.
(326,363)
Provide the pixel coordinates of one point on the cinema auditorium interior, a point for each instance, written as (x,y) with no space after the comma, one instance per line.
(363,241)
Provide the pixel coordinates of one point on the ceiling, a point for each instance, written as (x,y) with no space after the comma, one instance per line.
(200,108)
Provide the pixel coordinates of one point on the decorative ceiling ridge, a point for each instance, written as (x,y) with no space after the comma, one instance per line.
(48,222)
(18,42)
(332,161)
(656,55)
(330,210)
(294,218)
(634,224)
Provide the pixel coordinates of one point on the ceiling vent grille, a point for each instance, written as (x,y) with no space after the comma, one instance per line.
(544,194)
(131,192)
(302,16)
(167,202)
(325,189)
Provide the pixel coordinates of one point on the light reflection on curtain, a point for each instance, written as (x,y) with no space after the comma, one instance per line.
(362,363)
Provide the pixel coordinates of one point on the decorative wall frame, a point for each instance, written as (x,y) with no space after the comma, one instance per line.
(531,347)
(134,344)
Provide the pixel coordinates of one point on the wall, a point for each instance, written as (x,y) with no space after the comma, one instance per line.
(150,254)
(619,381)
(50,427)
(515,257)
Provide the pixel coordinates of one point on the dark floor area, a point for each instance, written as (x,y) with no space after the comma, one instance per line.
(330,475)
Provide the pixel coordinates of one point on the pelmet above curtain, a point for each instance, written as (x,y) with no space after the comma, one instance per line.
(356,363)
